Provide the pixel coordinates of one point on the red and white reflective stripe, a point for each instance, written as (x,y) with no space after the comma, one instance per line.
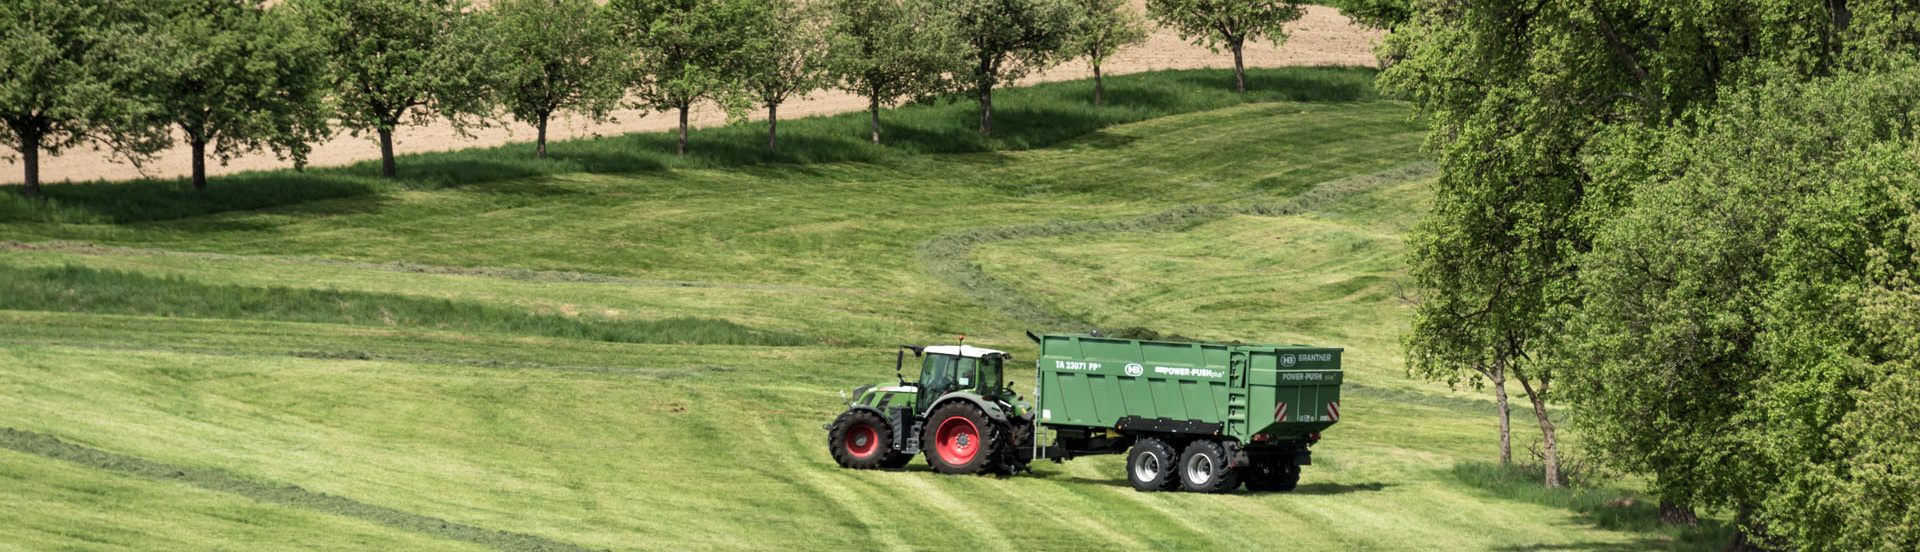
(1279,411)
(1333,409)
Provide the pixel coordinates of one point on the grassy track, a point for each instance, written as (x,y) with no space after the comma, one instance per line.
(662,445)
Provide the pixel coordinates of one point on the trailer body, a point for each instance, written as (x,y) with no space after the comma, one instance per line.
(1249,393)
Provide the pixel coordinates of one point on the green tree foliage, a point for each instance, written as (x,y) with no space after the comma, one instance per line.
(889,50)
(1516,101)
(785,56)
(1006,40)
(239,77)
(1100,28)
(544,56)
(68,75)
(684,51)
(1747,326)
(1229,23)
(398,62)
(1379,14)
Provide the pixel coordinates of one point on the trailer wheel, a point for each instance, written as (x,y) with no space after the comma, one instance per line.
(1264,476)
(960,439)
(1152,466)
(861,440)
(1205,468)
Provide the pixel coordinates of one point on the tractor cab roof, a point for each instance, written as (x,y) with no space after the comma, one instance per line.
(968,351)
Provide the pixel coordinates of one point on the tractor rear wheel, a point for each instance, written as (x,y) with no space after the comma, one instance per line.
(861,440)
(1152,466)
(1205,468)
(960,439)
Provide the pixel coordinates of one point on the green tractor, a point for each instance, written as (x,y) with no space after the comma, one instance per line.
(960,413)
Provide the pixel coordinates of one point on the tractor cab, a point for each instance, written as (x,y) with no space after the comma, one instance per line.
(948,368)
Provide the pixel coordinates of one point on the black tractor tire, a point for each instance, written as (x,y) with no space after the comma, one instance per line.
(1205,468)
(1271,476)
(960,439)
(861,440)
(1153,466)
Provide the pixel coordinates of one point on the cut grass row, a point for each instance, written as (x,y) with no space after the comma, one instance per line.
(80,289)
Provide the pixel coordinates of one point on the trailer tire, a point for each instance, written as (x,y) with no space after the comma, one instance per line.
(1206,468)
(861,440)
(1267,476)
(961,440)
(1152,466)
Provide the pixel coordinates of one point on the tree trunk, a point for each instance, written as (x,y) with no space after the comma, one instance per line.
(683,129)
(773,126)
(873,108)
(199,164)
(1675,514)
(1498,376)
(30,158)
(1547,440)
(1239,67)
(986,110)
(1098,89)
(540,142)
(387,169)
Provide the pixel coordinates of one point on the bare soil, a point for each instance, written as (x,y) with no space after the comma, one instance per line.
(1322,37)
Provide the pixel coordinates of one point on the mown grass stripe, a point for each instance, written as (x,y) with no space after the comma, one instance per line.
(501,273)
(948,257)
(48,446)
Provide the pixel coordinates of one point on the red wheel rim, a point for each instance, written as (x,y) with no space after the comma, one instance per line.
(862,441)
(957,441)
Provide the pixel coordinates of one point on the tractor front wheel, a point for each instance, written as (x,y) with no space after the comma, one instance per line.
(960,439)
(861,440)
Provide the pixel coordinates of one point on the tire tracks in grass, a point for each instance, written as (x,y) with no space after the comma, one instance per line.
(48,446)
(352,355)
(948,257)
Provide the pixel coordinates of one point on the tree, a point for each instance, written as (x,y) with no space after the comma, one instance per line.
(1535,106)
(1100,28)
(68,72)
(684,51)
(238,77)
(544,56)
(1005,40)
(398,62)
(888,50)
(1230,23)
(785,56)
(1770,249)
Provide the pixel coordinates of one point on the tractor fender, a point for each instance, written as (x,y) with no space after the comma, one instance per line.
(993,410)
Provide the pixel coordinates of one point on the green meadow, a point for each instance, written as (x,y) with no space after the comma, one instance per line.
(619,349)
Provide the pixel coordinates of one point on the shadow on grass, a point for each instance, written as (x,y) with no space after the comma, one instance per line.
(1603,507)
(1035,116)
(1322,489)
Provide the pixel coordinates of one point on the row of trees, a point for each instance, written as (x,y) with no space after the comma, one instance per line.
(1698,227)
(231,77)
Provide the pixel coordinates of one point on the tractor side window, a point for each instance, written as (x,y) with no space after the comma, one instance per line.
(990,373)
(936,374)
(967,368)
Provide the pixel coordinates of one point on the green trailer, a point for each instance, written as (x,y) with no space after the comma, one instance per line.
(1205,416)
(1202,416)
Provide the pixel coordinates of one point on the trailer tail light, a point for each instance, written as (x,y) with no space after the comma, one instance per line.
(1313,437)
(1261,437)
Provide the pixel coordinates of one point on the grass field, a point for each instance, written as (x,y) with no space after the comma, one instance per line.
(640,356)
